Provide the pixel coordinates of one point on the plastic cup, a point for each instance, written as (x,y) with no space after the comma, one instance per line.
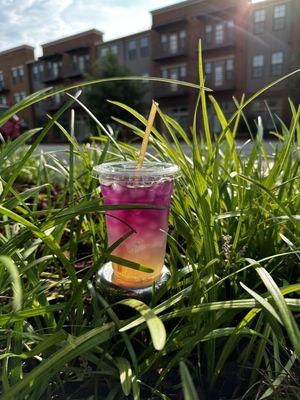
(123,183)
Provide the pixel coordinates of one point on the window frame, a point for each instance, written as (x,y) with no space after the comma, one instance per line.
(258,69)
(259,24)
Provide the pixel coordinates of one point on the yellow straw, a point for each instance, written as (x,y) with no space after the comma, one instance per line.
(147,134)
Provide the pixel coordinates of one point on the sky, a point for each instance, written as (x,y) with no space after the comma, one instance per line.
(35,22)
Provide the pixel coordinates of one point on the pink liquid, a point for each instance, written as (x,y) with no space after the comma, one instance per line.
(147,245)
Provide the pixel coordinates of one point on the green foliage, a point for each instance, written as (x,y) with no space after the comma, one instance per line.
(227,324)
(128,92)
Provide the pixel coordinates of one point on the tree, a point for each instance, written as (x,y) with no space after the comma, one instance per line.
(128,92)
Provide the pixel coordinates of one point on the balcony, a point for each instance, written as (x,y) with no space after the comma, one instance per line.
(226,85)
(169,90)
(3,87)
(76,71)
(52,75)
(229,42)
(162,53)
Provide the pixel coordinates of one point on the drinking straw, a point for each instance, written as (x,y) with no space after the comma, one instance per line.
(147,134)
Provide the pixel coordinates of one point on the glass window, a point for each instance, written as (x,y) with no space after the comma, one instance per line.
(207,68)
(21,71)
(230,29)
(219,75)
(174,75)
(183,71)
(164,73)
(164,41)
(114,49)
(41,68)
(229,69)
(280,11)
(3,100)
(259,21)
(81,63)
(17,97)
(208,33)
(1,80)
(144,42)
(103,51)
(219,34)
(258,66)
(279,17)
(277,63)
(173,43)
(144,46)
(182,38)
(14,74)
(132,49)
(35,70)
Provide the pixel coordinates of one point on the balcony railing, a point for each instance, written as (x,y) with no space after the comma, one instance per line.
(76,71)
(52,75)
(228,42)
(226,85)
(3,87)
(165,52)
(169,90)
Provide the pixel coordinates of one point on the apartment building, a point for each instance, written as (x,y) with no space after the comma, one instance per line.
(271,45)
(64,62)
(246,44)
(14,80)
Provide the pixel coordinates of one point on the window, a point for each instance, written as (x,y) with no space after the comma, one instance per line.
(174,75)
(3,100)
(164,73)
(173,43)
(164,42)
(21,73)
(103,51)
(208,71)
(277,63)
(14,74)
(114,49)
(259,21)
(219,78)
(144,46)
(132,49)
(35,71)
(208,33)
(19,96)
(230,30)
(258,66)
(219,34)
(81,63)
(229,69)
(182,71)
(1,80)
(41,68)
(182,38)
(279,17)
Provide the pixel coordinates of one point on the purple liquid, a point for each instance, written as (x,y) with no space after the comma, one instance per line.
(147,245)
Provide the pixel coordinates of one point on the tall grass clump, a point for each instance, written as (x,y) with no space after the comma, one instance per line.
(231,307)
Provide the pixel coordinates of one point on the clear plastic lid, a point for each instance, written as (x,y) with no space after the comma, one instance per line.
(127,170)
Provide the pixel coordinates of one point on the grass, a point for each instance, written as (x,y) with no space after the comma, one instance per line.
(227,324)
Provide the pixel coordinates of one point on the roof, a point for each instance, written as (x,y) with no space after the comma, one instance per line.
(123,38)
(176,6)
(77,35)
(22,47)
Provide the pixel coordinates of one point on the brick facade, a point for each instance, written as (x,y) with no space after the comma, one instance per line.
(14,79)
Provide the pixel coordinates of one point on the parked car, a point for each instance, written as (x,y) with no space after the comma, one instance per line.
(12,128)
